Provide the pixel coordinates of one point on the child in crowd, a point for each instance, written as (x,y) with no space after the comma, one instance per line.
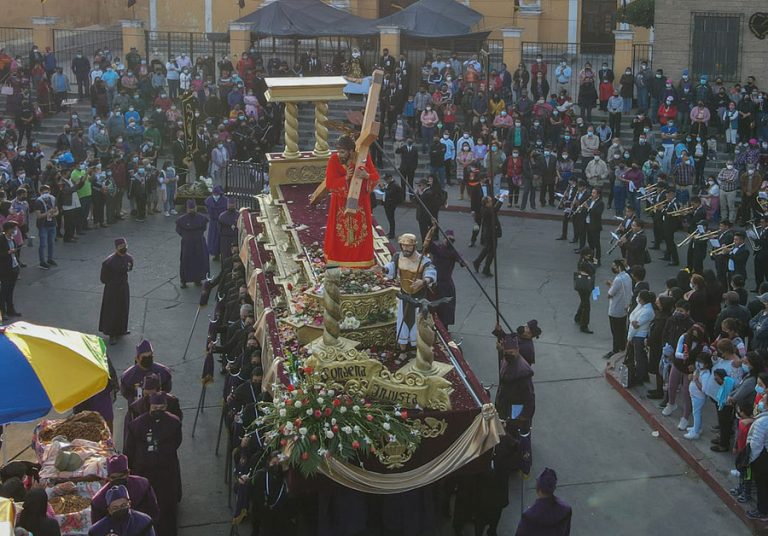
(697,387)
(743,492)
(722,387)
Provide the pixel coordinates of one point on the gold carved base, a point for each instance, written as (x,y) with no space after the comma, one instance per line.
(324,352)
(436,368)
(307,168)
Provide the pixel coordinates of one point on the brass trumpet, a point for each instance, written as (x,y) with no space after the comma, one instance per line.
(709,235)
(722,250)
(687,239)
(581,206)
(682,211)
(649,192)
(657,206)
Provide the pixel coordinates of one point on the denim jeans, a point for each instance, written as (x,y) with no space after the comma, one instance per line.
(85,211)
(698,405)
(642,99)
(170,196)
(439,173)
(47,236)
(627,104)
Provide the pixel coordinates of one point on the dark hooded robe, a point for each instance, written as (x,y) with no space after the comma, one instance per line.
(548,516)
(227,232)
(151,447)
(445,257)
(137,524)
(140,406)
(194,252)
(133,378)
(116,299)
(515,386)
(140,492)
(215,209)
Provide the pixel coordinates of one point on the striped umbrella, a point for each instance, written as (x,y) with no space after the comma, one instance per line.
(45,367)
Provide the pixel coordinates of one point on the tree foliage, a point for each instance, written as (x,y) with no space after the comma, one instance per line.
(638,13)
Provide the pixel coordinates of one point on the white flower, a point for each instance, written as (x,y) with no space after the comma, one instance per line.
(303,430)
(331,392)
(386,426)
(347,429)
(356,409)
(320,400)
(289,426)
(356,428)
(309,411)
(282,412)
(329,434)
(333,421)
(322,452)
(343,409)
(392,439)
(297,404)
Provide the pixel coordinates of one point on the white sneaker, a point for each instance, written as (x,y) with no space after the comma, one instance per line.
(668,409)
(683,424)
(690,435)
(166,213)
(173,211)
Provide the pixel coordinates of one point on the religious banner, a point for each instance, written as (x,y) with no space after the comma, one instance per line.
(188,109)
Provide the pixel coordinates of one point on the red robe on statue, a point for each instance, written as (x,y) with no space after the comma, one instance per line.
(348,236)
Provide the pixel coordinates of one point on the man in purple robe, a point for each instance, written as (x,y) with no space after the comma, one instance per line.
(549,515)
(141,493)
(116,300)
(194,265)
(151,446)
(122,519)
(216,203)
(444,257)
(151,385)
(133,378)
(227,229)
(515,398)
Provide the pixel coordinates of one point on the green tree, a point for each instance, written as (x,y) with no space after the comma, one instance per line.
(638,13)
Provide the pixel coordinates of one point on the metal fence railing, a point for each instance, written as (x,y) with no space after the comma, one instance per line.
(333,52)
(576,55)
(205,47)
(243,181)
(68,43)
(16,41)
(642,53)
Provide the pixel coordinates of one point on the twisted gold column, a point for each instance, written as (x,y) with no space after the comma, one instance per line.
(425,342)
(321,130)
(332,303)
(291,130)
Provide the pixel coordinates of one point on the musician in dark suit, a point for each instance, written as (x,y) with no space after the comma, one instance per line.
(549,169)
(625,228)
(578,216)
(697,249)
(9,270)
(670,224)
(567,203)
(721,261)
(761,253)
(738,256)
(658,219)
(594,222)
(635,244)
(393,195)
(409,162)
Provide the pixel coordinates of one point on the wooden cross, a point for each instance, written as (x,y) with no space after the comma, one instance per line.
(369,133)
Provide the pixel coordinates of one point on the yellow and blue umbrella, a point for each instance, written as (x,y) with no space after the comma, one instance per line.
(43,367)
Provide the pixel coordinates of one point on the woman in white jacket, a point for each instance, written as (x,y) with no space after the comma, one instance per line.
(639,326)
(757,439)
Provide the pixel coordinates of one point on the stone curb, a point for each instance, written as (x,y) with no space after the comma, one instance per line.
(702,468)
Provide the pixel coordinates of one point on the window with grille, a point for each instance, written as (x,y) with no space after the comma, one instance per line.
(716,43)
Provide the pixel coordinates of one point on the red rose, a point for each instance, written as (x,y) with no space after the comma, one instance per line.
(318,414)
(290,388)
(355,445)
(289,402)
(336,402)
(335,429)
(305,456)
(283,442)
(404,415)
(289,286)
(328,412)
(307,370)
(313,438)
(369,417)
(297,422)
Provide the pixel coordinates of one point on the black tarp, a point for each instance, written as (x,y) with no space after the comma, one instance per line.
(307,18)
(433,19)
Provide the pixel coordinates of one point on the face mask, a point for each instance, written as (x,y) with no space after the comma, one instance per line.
(564,155)
(702,81)
(515,155)
(466,149)
(429,108)
(761,406)
(729,166)
(446,136)
(536,123)
(641,141)
(566,138)
(119,515)
(547,153)
(590,133)
(216,197)
(759,390)
(745,368)
(699,366)
(751,171)
(646,129)
(503,114)
(627,72)
(517,124)
(494,149)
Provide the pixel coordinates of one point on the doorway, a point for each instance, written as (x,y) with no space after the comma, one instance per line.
(598,20)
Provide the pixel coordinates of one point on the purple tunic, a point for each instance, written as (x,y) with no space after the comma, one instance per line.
(133,378)
(151,447)
(215,208)
(137,524)
(141,493)
(194,265)
(227,232)
(116,300)
(546,517)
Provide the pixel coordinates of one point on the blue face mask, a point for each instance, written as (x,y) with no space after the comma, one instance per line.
(745,368)
(761,406)
(759,390)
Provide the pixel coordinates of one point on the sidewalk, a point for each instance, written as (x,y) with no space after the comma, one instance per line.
(712,467)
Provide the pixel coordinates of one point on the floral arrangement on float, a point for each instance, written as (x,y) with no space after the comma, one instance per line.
(309,421)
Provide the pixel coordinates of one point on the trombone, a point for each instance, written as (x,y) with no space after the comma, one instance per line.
(617,243)
(657,206)
(649,192)
(684,241)
(709,235)
(682,211)
(722,250)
